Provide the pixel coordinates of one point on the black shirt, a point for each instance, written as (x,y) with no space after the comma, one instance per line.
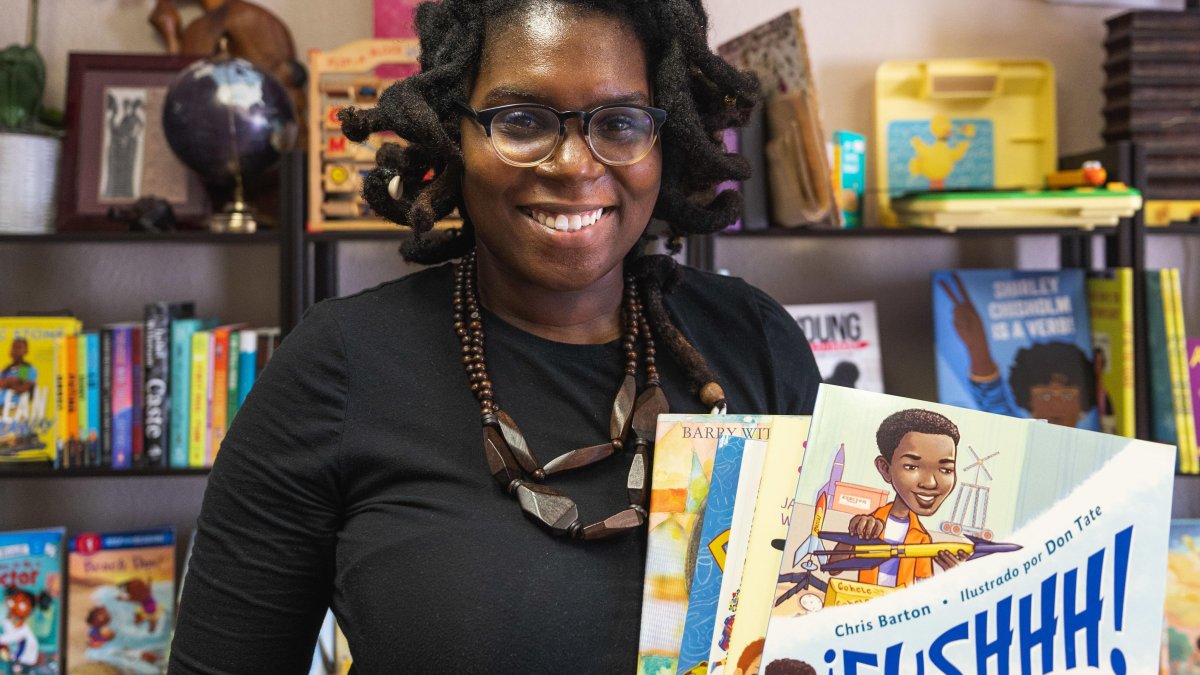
(354,478)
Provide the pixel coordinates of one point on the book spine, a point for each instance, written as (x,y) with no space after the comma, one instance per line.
(1187,436)
(106,398)
(180,383)
(1172,338)
(81,392)
(247,368)
(1127,405)
(74,457)
(61,433)
(137,381)
(197,415)
(156,438)
(1162,407)
(122,398)
(92,435)
(220,389)
(231,391)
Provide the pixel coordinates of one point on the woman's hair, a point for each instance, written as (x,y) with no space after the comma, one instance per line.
(701,93)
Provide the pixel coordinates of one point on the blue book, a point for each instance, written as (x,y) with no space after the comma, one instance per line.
(1017,343)
(247,363)
(713,546)
(91,435)
(31,567)
(122,396)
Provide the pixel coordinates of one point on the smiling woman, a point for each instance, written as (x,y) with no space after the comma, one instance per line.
(353,477)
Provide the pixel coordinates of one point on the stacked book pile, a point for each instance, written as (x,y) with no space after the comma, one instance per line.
(1152,98)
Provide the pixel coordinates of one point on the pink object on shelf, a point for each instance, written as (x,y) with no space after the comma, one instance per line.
(394,18)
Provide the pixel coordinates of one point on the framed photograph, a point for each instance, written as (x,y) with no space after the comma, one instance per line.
(115,151)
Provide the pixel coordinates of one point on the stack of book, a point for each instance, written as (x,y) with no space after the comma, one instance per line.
(1152,98)
(155,393)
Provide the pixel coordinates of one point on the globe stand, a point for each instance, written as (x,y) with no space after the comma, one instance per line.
(237,217)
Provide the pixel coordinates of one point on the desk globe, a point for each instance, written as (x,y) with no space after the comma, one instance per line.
(226,119)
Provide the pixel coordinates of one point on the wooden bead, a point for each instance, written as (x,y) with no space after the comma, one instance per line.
(711,393)
(548,507)
(577,458)
(615,524)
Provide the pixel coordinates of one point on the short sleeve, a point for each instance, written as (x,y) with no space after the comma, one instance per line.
(794,370)
(260,577)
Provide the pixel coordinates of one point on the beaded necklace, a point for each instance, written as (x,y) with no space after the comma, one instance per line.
(510,459)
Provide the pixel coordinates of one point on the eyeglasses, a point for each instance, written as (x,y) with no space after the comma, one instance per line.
(527,134)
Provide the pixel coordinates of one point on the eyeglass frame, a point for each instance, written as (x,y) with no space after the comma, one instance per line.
(484,118)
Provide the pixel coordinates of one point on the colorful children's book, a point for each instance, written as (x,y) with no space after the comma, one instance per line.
(1193,364)
(121,600)
(1182,607)
(684,450)
(179,421)
(1185,420)
(1110,302)
(1016,343)
(29,397)
(1162,396)
(160,369)
(737,469)
(844,338)
(1005,545)
(745,624)
(92,432)
(31,572)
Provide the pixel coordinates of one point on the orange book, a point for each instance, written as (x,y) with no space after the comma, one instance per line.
(219,421)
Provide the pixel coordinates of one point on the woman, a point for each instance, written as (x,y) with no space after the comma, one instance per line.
(357,474)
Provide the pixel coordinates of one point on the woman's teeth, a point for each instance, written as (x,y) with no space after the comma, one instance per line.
(567,223)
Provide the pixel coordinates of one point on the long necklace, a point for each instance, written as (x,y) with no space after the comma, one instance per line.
(510,459)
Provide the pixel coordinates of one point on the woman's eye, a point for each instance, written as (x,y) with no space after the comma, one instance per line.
(519,122)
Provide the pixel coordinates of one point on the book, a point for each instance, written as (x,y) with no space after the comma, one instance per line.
(1193,364)
(737,469)
(159,353)
(106,397)
(124,339)
(92,338)
(31,573)
(684,450)
(1006,544)
(844,338)
(220,358)
(1184,417)
(1017,343)
(200,412)
(121,600)
(1162,398)
(137,381)
(180,384)
(247,363)
(81,403)
(28,381)
(1182,606)
(1110,303)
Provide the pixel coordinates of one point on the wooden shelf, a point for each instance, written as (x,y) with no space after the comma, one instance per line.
(95,472)
(124,237)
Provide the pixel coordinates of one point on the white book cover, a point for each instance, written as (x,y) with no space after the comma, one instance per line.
(844,337)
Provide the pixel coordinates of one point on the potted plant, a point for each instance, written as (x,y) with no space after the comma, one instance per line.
(29,141)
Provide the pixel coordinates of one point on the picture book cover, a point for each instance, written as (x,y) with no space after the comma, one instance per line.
(28,378)
(1110,303)
(940,153)
(1001,544)
(121,600)
(31,564)
(1017,343)
(684,450)
(744,625)
(1182,607)
(737,470)
(844,338)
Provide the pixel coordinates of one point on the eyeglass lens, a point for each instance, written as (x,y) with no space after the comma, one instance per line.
(528,135)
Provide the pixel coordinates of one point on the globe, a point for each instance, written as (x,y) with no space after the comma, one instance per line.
(227,120)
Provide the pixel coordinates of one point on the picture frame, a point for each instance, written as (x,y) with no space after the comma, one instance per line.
(115,151)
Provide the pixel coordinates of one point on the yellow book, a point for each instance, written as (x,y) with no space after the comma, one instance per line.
(1176,376)
(772,515)
(1187,430)
(1110,302)
(28,384)
(200,397)
(62,431)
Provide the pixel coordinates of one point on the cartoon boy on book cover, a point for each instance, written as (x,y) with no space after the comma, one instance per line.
(918,458)
(17,379)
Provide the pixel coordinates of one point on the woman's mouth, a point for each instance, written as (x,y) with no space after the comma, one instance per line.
(565,222)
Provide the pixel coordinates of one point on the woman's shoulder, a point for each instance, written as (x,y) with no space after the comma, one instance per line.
(405,295)
(719,294)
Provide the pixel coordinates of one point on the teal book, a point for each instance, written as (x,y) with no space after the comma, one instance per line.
(91,435)
(247,363)
(31,573)
(734,453)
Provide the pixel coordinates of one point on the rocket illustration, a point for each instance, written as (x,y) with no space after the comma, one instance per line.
(823,499)
(866,554)
(835,474)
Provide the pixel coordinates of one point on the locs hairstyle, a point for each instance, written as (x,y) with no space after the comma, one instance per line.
(701,93)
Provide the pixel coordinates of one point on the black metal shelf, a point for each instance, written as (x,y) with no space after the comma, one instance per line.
(96,472)
(877,232)
(1173,228)
(124,237)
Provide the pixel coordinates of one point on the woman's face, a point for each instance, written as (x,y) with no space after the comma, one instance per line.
(567,61)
